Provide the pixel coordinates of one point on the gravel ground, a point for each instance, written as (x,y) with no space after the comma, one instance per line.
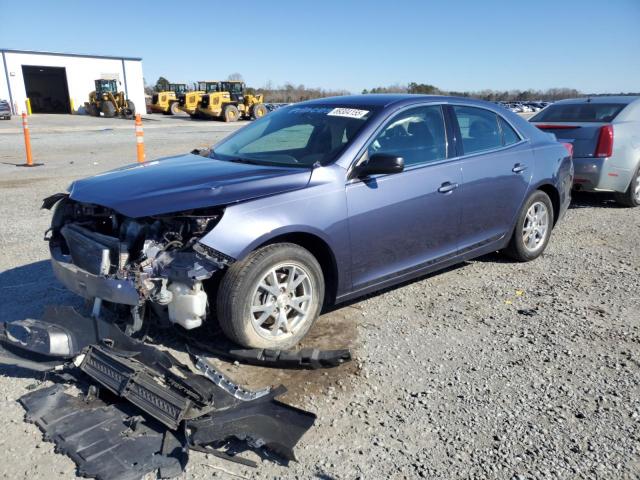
(491,369)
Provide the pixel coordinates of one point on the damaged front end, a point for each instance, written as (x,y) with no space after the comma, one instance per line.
(136,264)
(141,409)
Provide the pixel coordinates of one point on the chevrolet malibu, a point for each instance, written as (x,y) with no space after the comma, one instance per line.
(314,204)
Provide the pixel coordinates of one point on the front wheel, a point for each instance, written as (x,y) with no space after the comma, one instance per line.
(631,198)
(533,228)
(230,113)
(272,298)
(174,108)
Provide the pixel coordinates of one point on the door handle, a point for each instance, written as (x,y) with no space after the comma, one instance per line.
(518,168)
(447,187)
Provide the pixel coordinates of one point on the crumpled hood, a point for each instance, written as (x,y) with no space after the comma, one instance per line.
(184,182)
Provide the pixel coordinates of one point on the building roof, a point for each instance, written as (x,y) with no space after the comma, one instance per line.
(62,54)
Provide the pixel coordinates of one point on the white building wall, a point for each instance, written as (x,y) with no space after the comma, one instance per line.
(81,75)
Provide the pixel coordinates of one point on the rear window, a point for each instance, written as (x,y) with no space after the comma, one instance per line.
(579,112)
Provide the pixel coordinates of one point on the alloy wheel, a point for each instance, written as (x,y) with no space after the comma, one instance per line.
(281,301)
(536,227)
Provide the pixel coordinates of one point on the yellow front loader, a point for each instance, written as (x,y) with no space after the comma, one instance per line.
(231,103)
(188,102)
(108,102)
(166,101)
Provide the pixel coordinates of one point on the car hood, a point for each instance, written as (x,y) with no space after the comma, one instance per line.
(184,182)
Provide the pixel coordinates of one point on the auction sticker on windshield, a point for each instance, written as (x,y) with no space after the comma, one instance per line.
(348,112)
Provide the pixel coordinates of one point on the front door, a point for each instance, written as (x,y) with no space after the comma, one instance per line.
(405,221)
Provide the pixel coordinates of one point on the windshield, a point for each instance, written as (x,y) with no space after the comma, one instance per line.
(579,112)
(104,86)
(233,87)
(178,87)
(209,87)
(296,136)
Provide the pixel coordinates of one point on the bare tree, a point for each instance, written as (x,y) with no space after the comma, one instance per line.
(235,76)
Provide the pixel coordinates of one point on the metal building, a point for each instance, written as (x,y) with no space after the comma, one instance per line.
(61,82)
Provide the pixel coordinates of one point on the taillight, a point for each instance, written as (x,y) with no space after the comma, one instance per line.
(605,142)
(569,147)
(556,127)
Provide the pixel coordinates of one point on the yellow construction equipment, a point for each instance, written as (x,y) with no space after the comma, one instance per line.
(231,103)
(107,101)
(188,102)
(166,101)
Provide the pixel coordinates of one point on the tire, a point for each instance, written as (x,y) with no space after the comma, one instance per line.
(240,292)
(108,109)
(230,113)
(174,108)
(92,110)
(520,250)
(631,198)
(131,109)
(258,111)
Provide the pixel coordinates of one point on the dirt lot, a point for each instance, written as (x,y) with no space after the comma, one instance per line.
(488,370)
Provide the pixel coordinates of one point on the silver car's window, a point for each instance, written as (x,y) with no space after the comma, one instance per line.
(579,112)
(478,129)
(417,135)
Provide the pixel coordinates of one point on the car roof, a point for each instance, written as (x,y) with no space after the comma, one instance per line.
(625,99)
(388,99)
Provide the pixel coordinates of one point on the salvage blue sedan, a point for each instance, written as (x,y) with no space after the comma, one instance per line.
(316,203)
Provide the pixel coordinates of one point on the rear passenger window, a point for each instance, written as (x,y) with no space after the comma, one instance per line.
(478,128)
(417,135)
(509,135)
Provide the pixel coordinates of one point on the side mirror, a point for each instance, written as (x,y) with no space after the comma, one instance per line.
(381,163)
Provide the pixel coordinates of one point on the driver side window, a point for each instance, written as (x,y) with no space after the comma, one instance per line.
(417,135)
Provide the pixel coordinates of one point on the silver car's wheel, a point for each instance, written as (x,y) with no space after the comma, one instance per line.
(281,301)
(631,198)
(536,227)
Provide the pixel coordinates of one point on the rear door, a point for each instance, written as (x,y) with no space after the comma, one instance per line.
(497,167)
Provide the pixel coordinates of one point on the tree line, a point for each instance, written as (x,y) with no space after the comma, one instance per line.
(290,93)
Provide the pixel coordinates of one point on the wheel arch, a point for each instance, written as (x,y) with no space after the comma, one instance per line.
(320,249)
(554,196)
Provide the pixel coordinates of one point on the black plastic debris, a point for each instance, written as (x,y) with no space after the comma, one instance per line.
(106,441)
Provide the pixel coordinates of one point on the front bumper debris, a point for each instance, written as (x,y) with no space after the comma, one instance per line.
(143,409)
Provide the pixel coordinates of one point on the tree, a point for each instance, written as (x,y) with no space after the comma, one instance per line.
(235,76)
(162,85)
(423,88)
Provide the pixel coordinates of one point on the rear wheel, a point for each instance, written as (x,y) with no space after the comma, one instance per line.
(631,198)
(230,113)
(533,228)
(174,108)
(108,109)
(258,111)
(272,298)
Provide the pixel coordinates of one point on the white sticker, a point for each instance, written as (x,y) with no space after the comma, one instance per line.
(348,112)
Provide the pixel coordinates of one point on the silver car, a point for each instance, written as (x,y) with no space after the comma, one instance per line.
(605,134)
(5,110)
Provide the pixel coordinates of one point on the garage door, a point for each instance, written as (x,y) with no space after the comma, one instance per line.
(47,89)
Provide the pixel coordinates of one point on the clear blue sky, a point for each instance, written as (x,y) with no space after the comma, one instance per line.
(593,46)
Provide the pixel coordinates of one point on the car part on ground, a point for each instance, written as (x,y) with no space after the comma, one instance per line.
(108,102)
(175,407)
(606,143)
(107,441)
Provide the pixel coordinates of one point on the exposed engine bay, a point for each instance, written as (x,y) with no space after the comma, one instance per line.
(146,263)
